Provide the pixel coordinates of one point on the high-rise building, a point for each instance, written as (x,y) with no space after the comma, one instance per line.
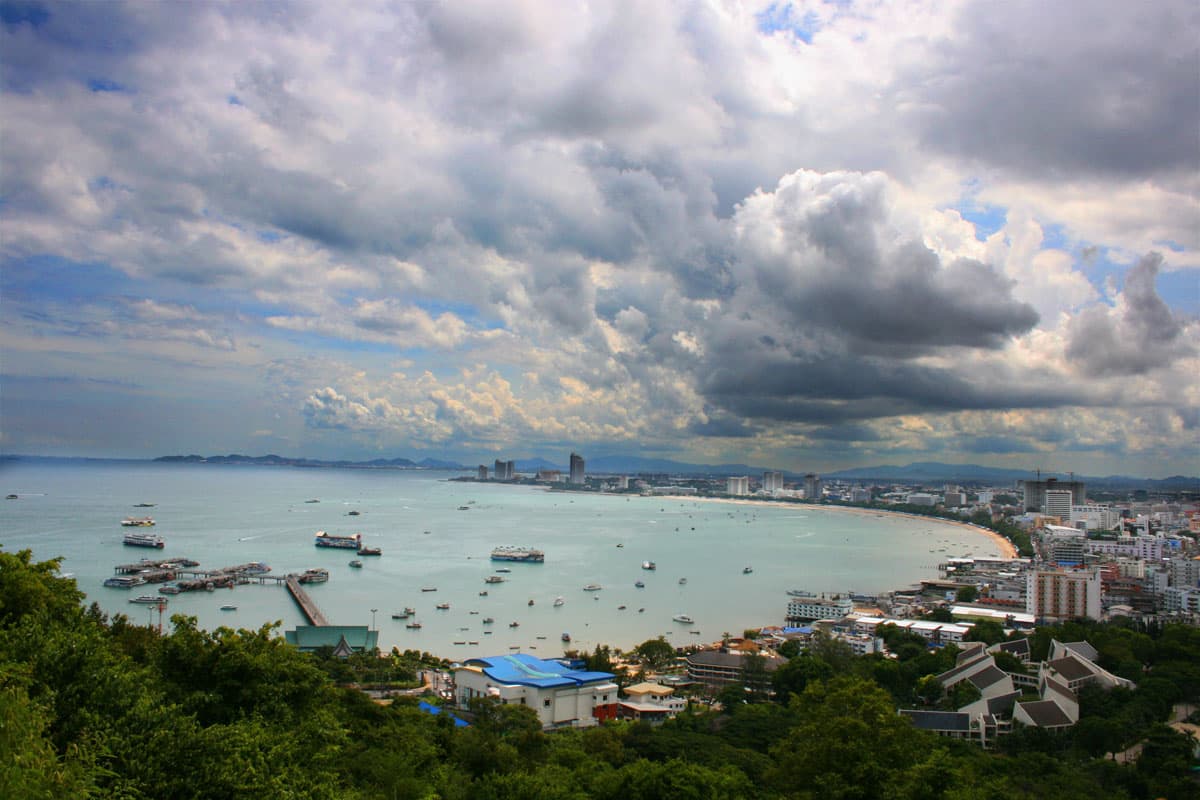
(577,468)
(772,481)
(1056,594)
(812,486)
(1035,492)
(483,472)
(1058,503)
(505,470)
(737,486)
(954,499)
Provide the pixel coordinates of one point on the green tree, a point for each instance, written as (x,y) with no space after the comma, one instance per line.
(656,653)
(966,594)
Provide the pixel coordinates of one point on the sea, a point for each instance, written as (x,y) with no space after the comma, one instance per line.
(727,565)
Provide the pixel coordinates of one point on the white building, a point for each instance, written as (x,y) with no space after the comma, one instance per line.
(860,495)
(561,696)
(1058,503)
(1056,594)
(801,609)
(737,486)
(772,481)
(1095,518)
(921,499)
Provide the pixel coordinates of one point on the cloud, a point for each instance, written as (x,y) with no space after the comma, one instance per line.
(693,228)
(1139,333)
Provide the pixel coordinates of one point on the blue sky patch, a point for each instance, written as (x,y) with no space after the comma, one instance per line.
(782,17)
(34,15)
(107,85)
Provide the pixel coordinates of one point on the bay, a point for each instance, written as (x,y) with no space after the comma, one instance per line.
(222,515)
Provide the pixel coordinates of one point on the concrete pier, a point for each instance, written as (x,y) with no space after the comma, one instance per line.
(307,606)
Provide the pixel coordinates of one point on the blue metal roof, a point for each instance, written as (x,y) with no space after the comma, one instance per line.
(526,670)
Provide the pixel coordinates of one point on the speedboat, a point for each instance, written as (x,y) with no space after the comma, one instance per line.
(229,608)
(488,620)
(747,570)
(593,587)
(148,599)
(640,585)
(558,601)
(531,601)
(682,581)
(684,618)
(649,565)
(443,606)
(356,564)
(413,625)
(514,624)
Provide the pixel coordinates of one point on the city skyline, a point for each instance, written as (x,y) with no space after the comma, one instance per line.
(807,236)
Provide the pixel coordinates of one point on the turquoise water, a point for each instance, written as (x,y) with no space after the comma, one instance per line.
(223,515)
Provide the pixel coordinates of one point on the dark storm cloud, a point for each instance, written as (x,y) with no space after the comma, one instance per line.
(764,385)
(1139,335)
(1064,88)
(836,260)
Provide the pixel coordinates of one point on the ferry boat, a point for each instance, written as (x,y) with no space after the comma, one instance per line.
(493,579)
(593,587)
(356,564)
(649,565)
(124,581)
(369,551)
(351,542)
(144,540)
(684,618)
(169,588)
(314,575)
(527,554)
(148,599)
(137,522)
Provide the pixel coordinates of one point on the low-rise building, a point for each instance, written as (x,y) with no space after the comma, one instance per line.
(721,667)
(650,702)
(806,609)
(562,697)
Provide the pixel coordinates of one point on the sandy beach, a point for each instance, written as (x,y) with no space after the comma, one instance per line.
(1007,549)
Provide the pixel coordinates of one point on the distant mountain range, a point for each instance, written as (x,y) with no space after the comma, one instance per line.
(921,472)
(282,461)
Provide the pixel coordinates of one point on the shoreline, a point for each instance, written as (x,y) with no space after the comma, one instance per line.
(1007,548)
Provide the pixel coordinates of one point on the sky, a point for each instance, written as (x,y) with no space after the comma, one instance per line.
(806,235)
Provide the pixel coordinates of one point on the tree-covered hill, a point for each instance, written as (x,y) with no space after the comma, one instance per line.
(99,707)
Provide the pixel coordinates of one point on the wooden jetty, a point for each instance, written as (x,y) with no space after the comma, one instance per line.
(307,606)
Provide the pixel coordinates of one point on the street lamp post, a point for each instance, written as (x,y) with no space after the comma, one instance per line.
(373,610)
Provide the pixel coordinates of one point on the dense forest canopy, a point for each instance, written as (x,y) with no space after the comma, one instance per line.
(92,706)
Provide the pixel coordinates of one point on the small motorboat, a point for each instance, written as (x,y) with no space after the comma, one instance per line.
(566,637)
(558,601)
(413,625)
(443,606)
(531,601)
(682,581)
(356,564)
(514,624)
(229,608)
(747,570)
(640,585)
(488,620)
